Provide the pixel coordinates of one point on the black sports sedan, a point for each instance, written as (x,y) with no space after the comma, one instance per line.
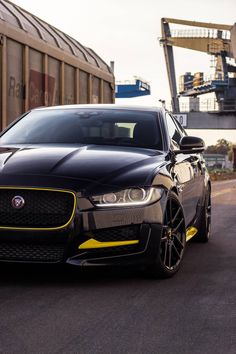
(102,185)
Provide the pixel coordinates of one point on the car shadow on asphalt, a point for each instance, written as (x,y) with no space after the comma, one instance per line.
(57,274)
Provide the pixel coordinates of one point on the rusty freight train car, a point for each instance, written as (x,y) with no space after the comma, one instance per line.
(41,66)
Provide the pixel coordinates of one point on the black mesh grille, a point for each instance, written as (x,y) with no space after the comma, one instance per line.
(42,208)
(31,252)
(116,234)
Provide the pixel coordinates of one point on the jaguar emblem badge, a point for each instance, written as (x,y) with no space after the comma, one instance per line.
(18,202)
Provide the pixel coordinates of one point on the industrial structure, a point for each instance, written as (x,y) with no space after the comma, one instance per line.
(41,65)
(137,87)
(217,40)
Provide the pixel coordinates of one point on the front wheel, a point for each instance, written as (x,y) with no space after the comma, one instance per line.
(172,242)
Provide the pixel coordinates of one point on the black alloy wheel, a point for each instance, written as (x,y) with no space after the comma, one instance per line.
(204,230)
(172,242)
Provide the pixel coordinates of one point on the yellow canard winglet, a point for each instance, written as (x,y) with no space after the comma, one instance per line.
(92,243)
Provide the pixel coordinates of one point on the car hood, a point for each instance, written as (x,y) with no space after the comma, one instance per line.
(110,165)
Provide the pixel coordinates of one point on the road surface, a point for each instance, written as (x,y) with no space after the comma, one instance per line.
(44,310)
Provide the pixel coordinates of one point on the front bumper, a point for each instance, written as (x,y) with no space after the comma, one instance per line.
(34,248)
(142,224)
(142,253)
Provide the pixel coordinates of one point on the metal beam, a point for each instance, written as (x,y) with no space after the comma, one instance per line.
(169,57)
(26,71)
(77,85)
(233,40)
(207,45)
(197,24)
(4,80)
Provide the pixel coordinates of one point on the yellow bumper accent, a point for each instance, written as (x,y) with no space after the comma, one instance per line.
(92,243)
(191,231)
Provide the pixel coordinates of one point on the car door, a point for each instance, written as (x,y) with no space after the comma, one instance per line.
(186,171)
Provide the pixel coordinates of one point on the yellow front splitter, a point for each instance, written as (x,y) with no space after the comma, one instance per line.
(92,243)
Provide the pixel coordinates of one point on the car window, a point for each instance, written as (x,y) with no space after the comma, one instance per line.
(87,126)
(182,131)
(173,130)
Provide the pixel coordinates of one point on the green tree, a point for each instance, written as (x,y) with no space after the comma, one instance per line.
(222,146)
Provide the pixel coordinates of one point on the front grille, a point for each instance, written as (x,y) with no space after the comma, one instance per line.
(31,252)
(42,209)
(116,234)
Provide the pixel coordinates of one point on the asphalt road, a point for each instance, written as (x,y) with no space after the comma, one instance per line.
(44,310)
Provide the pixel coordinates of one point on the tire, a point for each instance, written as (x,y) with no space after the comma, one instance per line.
(204,229)
(172,241)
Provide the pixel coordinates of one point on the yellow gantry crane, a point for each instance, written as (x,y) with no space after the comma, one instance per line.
(218,40)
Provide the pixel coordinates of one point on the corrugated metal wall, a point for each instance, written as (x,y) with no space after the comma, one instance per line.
(40,65)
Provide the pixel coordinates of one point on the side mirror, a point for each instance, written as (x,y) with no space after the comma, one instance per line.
(191,144)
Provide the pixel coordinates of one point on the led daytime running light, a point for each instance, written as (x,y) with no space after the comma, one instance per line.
(124,198)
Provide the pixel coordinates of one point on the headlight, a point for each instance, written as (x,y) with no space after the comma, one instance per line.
(128,197)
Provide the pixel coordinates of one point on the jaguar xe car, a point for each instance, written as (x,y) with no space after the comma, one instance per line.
(102,185)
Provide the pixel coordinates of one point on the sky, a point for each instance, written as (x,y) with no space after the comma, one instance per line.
(127,31)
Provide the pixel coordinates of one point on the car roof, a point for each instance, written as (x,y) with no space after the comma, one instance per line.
(102,106)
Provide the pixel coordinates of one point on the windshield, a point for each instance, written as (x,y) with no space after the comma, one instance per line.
(86,126)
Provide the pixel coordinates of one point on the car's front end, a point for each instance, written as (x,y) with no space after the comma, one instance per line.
(48,224)
(78,185)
